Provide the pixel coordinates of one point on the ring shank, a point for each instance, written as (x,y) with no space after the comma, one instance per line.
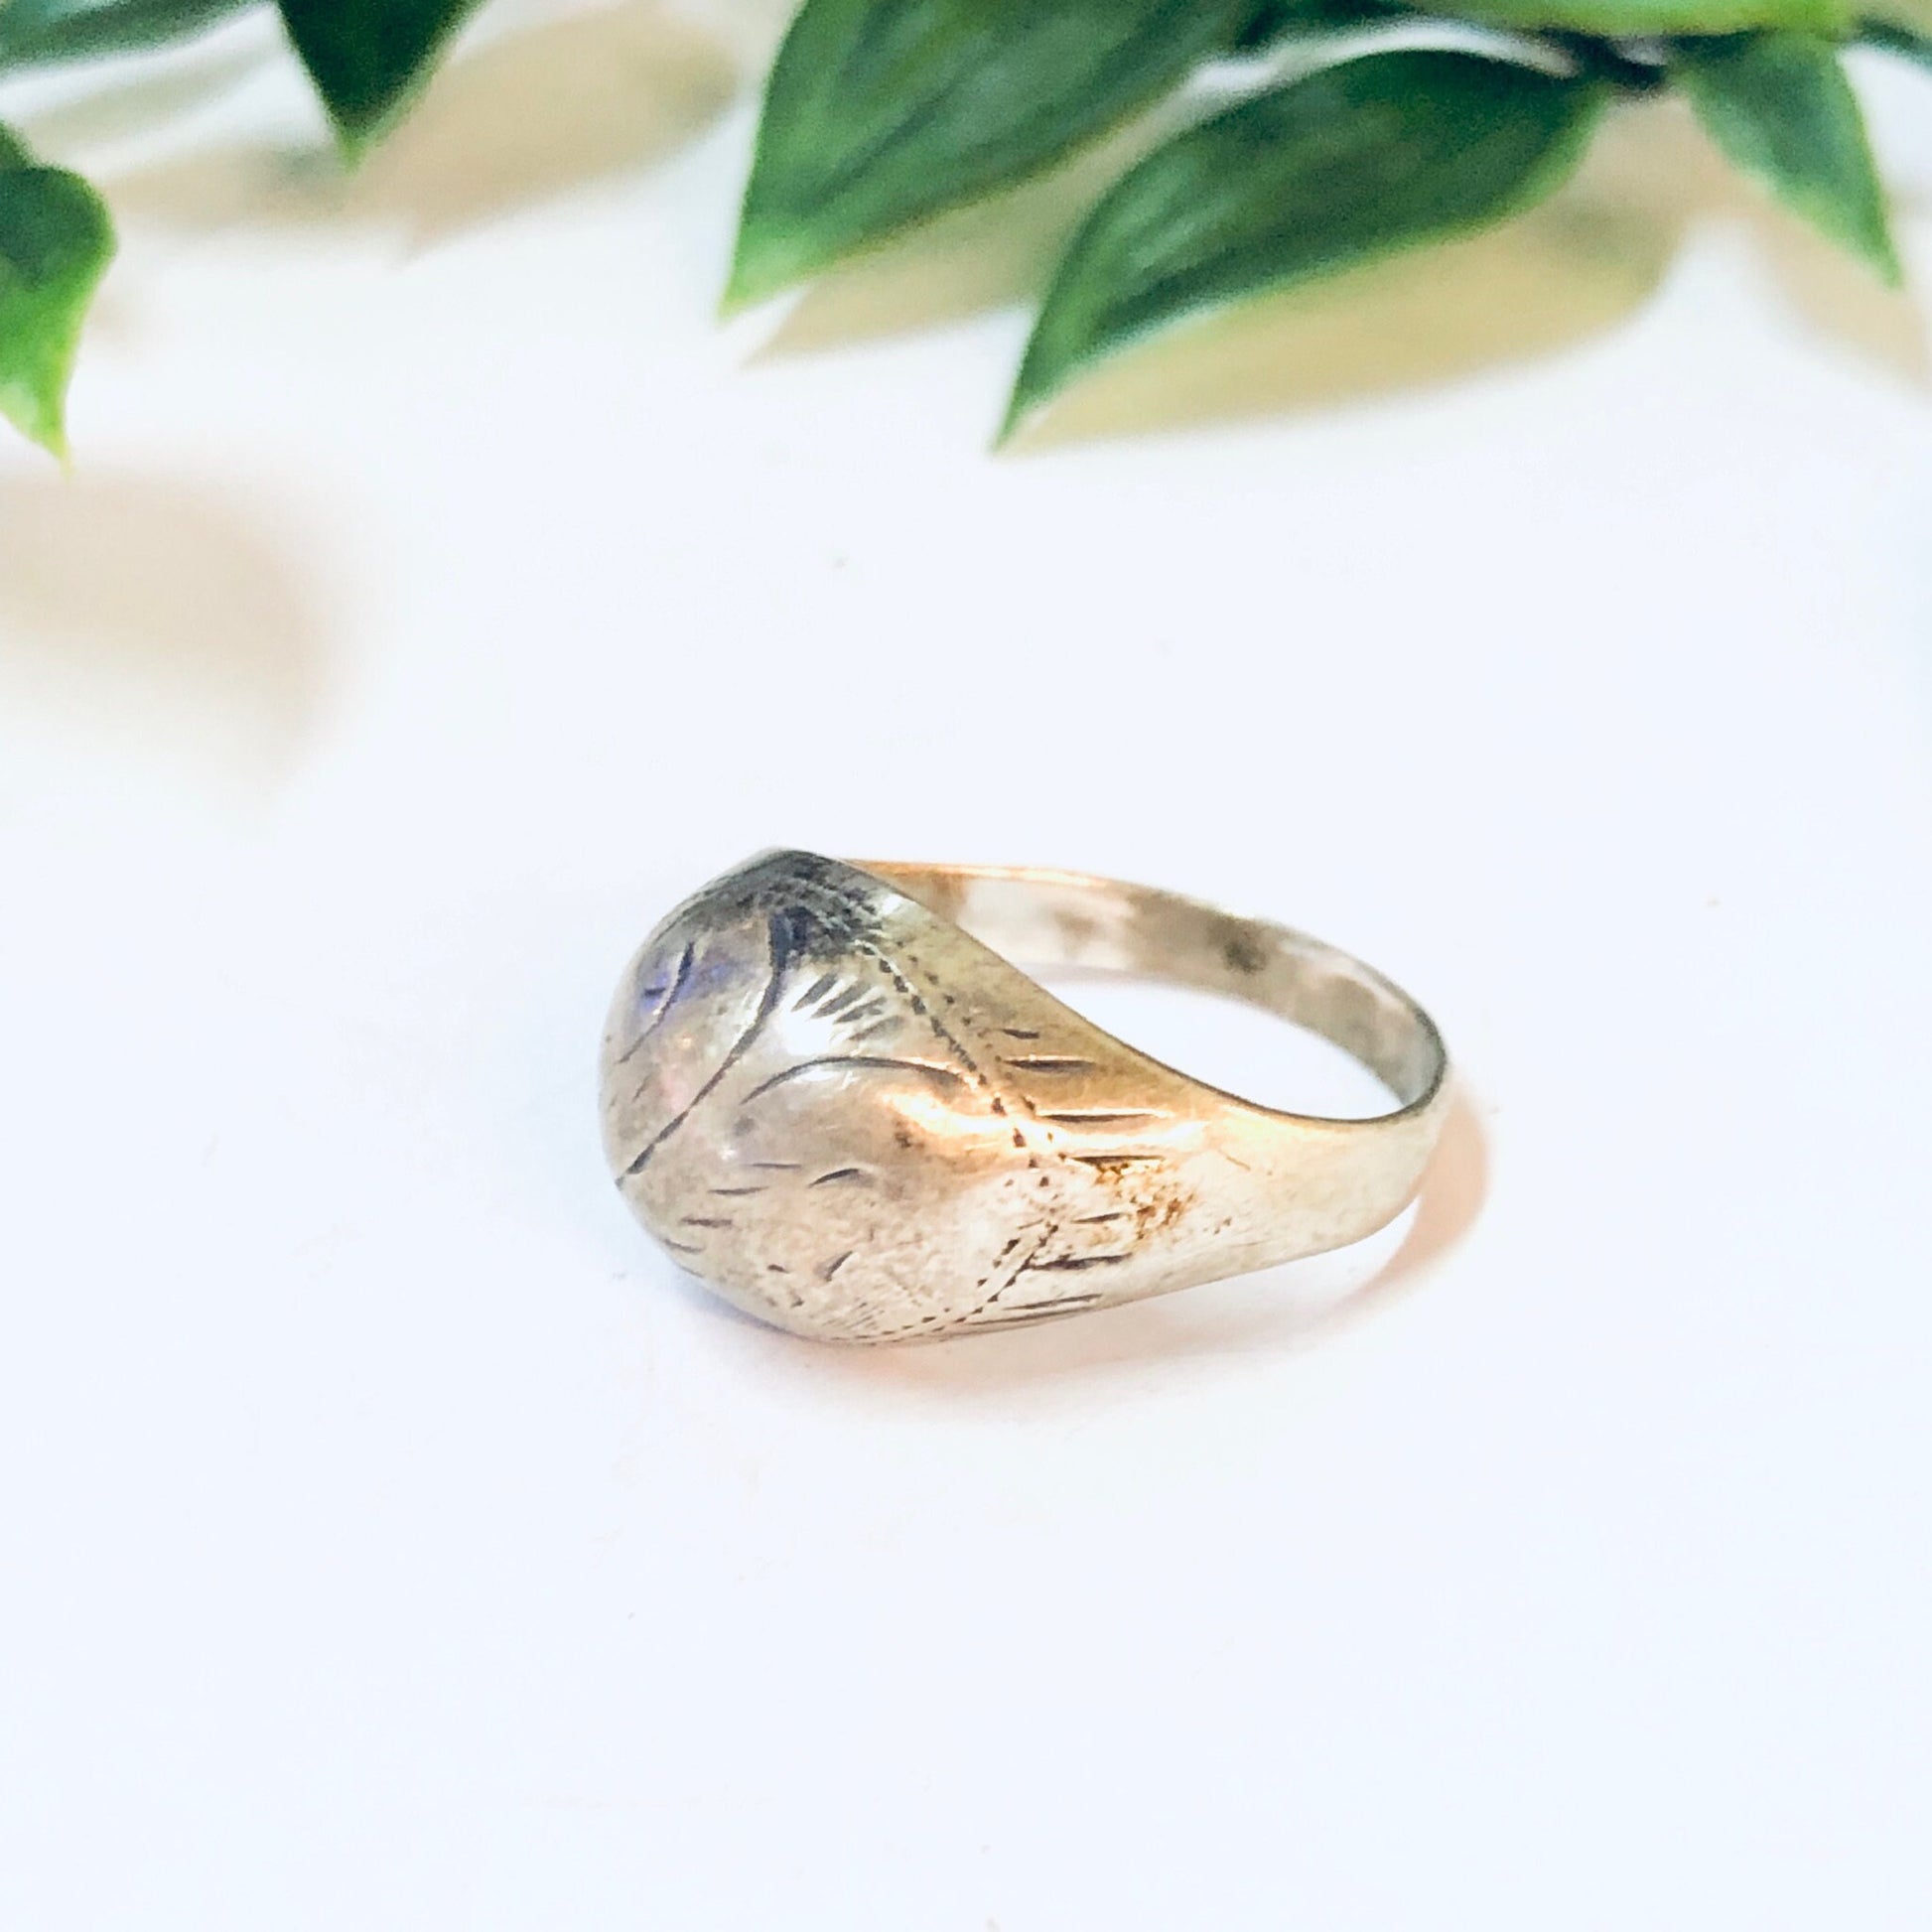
(1039,917)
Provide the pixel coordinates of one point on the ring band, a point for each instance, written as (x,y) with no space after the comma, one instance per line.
(829,1093)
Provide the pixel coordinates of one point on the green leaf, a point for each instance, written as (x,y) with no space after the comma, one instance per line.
(1649,19)
(1275,20)
(35,33)
(1349,165)
(881,112)
(1910,17)
(369,58)
(55,241)
(1892,38)
(1779,106)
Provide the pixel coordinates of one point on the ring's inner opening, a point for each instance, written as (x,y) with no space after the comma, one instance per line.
(1055,921)
(1225,1043)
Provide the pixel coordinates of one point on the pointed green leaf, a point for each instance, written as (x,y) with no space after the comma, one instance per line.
(1779,106)
(881,112)
(55,241)
(1650,19)
(1354,163)
(36,33)
(369,58)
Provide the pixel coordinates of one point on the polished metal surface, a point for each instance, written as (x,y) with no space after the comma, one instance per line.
(829,1093)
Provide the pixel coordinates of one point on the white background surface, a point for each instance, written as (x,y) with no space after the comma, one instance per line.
(393,1540)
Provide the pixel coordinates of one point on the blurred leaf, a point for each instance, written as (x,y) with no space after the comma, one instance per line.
(1780,106)
(1890,39)
(1912,17)
(881,112)
(1608,18)
(1273,20)
(1648,19)
(55,241)
(1351,164)
(369,58)
(37,31)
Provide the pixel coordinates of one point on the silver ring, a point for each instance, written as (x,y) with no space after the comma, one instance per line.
(830,1094)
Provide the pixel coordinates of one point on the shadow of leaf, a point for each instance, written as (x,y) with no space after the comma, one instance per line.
(991,255)
(523,120)
(1842,300)
(1555,277)
(152,98)
(1558,277)
(1548,282)
(1667,166)
(157,611)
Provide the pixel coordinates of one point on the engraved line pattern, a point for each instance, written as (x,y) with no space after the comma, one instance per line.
(670,999)
(865,1015)
(945,1076)
(815,992)
(1017,1315)
(782,938)
(990,1312)
(849,911)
